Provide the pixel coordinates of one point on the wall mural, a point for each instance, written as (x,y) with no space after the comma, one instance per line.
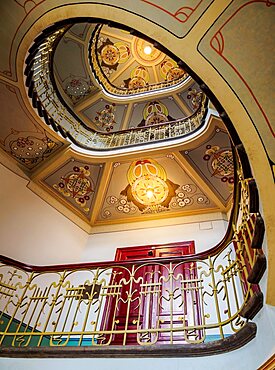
(76,183)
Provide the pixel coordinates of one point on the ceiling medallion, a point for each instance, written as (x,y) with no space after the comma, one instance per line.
(149,189)
(222,163)
(77,185)
(112,54)
(145,53)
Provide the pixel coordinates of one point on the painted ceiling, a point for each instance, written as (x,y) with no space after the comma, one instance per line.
(196,180)
(128,69)
(97,192)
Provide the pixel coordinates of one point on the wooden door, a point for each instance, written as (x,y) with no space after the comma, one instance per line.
(152,305)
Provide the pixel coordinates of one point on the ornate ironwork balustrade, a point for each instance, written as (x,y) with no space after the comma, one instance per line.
(190,301)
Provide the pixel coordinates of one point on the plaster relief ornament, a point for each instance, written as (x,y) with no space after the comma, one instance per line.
(113,54)
(76,184)
(169,70)
(148,188)
(106,117)
(29,148)
(154,113)
(77,87)
(221,163)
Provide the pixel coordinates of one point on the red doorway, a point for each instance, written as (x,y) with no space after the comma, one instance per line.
(157,300)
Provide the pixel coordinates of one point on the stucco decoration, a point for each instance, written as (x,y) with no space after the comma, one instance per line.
(76,183)
(213,160)
(20,135)
(151,187)
(148,186)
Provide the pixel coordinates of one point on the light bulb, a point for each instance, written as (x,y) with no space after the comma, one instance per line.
(147,50)
(149,193)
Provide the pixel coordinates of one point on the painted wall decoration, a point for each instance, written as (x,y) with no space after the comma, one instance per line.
(230,44)
(191,96)
(106,117)
(76,87)
(177,19)
(187,195)
(121,205)
(148,187)
(21,14)
(213,160)
(112,53)
(221,163)
(71,69)
(76,182)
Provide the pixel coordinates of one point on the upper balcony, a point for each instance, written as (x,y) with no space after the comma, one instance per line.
(107,90)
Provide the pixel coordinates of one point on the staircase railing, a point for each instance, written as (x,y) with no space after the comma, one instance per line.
(53,109)
(196,304)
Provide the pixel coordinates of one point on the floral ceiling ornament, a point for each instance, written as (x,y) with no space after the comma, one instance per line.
(113,54)
(106,117)
(195,97)
(148,188)
(154,113)
(77,87)
(78,185)
(221,163)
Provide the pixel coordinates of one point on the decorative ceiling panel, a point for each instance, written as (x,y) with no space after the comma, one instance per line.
(150,188)
(155,111)
(71,68)
(105,115)
(191,96)
(76,183)
(213,161)
(20,135)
